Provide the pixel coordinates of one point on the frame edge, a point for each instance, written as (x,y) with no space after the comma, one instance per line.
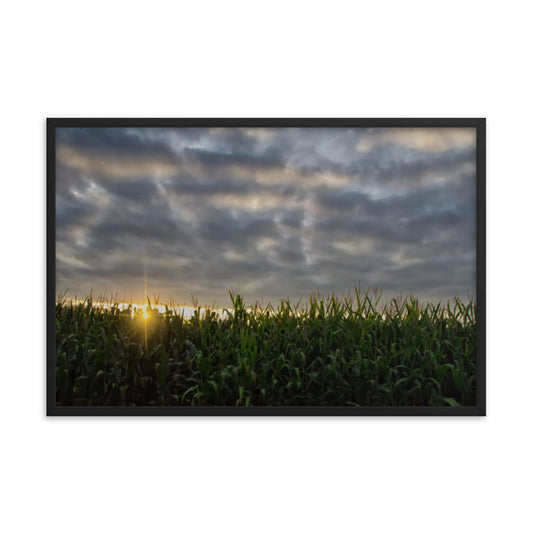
(50,264)
(478,410)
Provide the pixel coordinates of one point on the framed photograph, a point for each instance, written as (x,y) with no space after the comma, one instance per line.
(266,266)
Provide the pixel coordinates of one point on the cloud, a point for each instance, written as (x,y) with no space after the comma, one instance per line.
(421,139)
(271,212)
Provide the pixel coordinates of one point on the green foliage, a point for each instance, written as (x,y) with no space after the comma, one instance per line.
(332,352)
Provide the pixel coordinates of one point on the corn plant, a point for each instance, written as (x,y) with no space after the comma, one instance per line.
(331,351)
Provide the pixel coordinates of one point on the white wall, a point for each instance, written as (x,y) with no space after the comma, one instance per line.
(201,59)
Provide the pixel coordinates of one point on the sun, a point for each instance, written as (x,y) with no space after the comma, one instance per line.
(146,315)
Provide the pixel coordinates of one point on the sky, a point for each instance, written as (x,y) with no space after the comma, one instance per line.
(270,213)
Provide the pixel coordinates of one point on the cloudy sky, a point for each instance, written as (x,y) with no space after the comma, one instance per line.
(271,213)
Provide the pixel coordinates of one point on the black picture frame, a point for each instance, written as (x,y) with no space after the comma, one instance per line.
(479,409)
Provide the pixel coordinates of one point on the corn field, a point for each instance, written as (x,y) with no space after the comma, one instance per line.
(330,352)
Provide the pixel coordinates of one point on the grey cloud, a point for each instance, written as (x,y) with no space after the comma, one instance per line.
(342,200)
(139,190)
(392,223)
(192,185)
(290,250)
(116,142)
(223,227)
(293,218)
(388,164)
(73,210)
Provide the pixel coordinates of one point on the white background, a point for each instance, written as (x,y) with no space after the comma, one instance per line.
(238,59)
